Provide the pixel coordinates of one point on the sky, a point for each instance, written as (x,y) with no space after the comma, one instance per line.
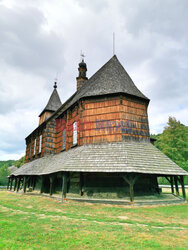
(41,40)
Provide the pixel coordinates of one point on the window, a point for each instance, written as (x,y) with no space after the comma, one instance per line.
(64,139)
(30,148)
(74,133)
(34,149)
(40,143)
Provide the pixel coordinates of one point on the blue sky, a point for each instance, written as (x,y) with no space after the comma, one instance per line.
(42,40)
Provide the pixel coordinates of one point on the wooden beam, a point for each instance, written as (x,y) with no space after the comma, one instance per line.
(168,179)
(131,179)
(24,183)
(183,187)
(11,181)
(15,183)
(42,185)
(64,186)
(81,183)
(28,181)
(172,184)
(18,184)
(34,182)
(176,185)
(51,183)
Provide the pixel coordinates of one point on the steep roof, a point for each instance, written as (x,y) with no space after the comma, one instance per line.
(111,78)
(54,102)
(127,157)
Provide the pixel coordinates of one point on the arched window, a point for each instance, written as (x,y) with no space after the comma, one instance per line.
(75,128)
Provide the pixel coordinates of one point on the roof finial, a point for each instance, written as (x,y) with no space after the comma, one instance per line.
(82,56)
(55,83)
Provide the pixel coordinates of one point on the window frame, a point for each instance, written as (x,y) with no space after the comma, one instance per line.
(64,139)
(40,143)
(75,133)
(34,147)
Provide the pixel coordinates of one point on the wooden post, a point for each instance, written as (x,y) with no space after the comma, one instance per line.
(15,183)
(81,183)
(24,183)
(51,184)
(28,181)
(64,186)
(34,182)
(176,185)
(42,185)
(11,180)
(130,179)
(18,184)
(172,184)
(8,183)
(183,187)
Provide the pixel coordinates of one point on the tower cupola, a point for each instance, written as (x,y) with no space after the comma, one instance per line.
(82,78)
(53,104)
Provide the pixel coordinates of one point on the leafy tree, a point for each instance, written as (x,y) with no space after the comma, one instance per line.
(20,162)
(174,142)
(4,172)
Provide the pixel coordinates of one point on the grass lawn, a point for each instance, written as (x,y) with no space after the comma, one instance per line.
(35,222)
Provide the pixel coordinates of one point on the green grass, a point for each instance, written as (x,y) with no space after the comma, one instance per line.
(34,222)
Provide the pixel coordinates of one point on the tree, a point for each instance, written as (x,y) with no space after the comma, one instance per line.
(174,142)
(4,172)
(20,162)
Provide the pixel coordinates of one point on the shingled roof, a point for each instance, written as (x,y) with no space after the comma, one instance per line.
(126,157)
(54,102)
(111,78)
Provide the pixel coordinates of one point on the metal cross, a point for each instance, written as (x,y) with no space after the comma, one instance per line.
(82,55)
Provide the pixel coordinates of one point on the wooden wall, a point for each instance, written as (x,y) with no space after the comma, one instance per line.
(99,120)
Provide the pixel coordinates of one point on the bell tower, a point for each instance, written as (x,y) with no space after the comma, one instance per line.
(82,78)
(53,104)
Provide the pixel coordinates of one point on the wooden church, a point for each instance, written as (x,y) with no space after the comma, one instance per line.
(96,144)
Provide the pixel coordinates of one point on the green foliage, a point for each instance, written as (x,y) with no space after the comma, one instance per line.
(7,163)
(4,172)
(174,142)
(20,162)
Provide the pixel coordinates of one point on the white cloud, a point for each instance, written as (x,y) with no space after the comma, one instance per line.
(41,38)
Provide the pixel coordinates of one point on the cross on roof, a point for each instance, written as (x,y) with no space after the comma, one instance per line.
(82,55)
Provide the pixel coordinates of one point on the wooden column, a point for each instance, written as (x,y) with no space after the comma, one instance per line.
(51,183)
(15,183)
(34,182)
(172,184)
(176,185)
(81,183)
(18,184)
(42,185)
(183,187)
(64,186)
(130,179)
(24,183)
(8,183)
(11,181)
(28,181)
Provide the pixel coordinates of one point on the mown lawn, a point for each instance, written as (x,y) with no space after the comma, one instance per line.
(34,222)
